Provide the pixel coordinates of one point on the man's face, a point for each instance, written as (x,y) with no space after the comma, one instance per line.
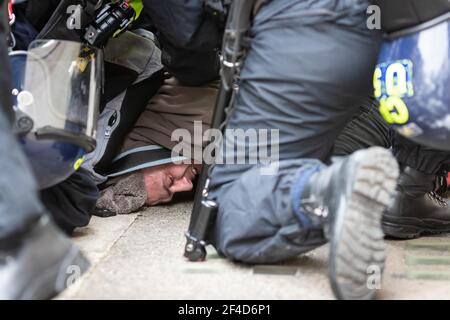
(162,182)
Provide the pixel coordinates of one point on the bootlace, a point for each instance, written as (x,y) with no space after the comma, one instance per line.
(437,199)
(440,187)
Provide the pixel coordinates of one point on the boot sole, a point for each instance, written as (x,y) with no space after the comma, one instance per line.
(57,277)
(412,228)
(357,248)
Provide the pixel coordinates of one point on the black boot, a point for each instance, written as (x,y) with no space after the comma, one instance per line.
(417,209)
(39,264)
(349,198)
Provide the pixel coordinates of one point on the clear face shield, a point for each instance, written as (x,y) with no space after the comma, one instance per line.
(58,93)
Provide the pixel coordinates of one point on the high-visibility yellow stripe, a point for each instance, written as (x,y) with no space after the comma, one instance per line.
(138,6)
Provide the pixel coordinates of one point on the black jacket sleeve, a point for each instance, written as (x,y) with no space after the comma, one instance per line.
(189,39)
(72,202)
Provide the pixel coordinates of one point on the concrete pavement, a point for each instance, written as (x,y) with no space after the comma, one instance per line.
(140,257)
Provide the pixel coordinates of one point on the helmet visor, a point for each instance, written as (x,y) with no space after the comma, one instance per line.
(60,89)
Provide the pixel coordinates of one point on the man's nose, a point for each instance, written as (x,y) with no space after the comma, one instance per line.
(181,185)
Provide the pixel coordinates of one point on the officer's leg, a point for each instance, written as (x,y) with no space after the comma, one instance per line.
(19,204)
(40,261)
(421,158)
(366,129)
(306,81)
(418,209)
(257,222)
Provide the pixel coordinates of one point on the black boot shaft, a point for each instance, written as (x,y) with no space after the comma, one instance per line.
(417,209)
(414,184)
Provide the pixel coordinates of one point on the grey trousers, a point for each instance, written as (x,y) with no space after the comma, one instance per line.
(308,69)
(19,203)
